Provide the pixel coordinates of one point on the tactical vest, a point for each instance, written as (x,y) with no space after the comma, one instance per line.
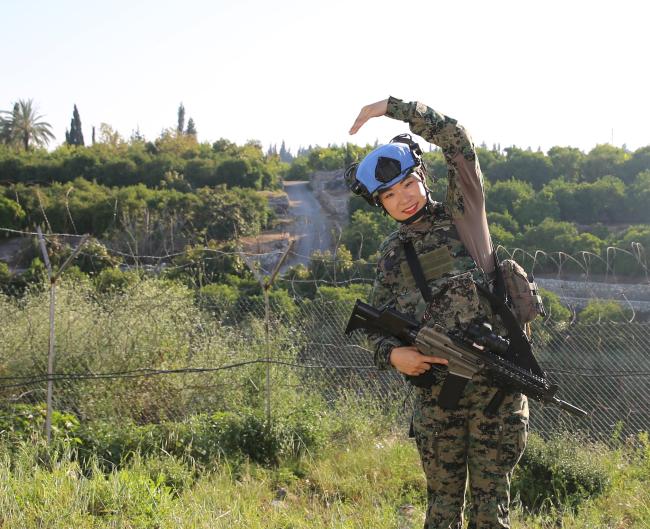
(449,270)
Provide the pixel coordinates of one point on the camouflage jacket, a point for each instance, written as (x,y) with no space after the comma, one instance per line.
(452,243)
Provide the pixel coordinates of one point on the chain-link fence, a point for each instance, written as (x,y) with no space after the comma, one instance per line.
(158,351)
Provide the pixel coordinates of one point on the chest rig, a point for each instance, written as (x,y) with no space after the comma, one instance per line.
(433,243)
(440,261)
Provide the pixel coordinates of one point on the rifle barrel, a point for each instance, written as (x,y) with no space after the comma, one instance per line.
(563,404)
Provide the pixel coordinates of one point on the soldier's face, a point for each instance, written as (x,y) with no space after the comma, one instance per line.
(404,199)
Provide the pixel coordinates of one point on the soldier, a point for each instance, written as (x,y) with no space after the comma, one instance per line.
(430,268)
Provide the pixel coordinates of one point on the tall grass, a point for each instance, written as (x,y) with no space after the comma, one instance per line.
(358,483)
(153,325)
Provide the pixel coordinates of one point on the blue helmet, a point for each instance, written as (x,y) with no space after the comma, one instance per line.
(384,167)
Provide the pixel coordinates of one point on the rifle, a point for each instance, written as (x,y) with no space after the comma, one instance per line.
(467,351)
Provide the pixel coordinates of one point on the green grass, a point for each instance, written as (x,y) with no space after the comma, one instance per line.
(369,483)
(194,451)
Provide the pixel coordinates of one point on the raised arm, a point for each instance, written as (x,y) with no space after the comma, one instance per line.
(465,195)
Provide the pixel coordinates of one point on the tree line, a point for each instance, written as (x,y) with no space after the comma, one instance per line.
(564,200)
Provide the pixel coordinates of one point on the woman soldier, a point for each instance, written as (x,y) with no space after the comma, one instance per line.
(430,269)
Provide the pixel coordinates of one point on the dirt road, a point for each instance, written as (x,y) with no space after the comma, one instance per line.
(311,228)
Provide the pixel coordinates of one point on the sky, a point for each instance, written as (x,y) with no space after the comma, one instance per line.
(527,73)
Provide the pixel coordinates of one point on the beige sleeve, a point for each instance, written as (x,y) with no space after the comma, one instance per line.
(465,195)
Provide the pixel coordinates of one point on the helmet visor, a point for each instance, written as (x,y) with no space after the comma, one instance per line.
(387,169)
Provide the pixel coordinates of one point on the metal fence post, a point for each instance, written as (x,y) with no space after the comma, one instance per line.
(50,353)
(266,283)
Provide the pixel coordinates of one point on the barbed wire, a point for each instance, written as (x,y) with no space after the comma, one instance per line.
(637,251)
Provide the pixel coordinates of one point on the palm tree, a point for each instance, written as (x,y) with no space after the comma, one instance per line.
(24,126)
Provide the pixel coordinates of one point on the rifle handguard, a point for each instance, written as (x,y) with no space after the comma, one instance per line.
(467,353)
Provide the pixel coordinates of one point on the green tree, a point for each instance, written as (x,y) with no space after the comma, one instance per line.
(635,241)
(638,198)
(601,201)
(531,167)
(567,162)
(534,209)
(600,310)
(238,172)
(225,146)
(6,133)
(11,214)
(365,232)
(327,158)
(299,169)
(331,267)
(604,160)
(191,128)
(501,236)
(635,235)
(505,219)
(488,158)
(180,127)
(503,195)
(109,136)
(637,163)
(556,236)
(75,135)
(24,126)
(554,308)
(285,155)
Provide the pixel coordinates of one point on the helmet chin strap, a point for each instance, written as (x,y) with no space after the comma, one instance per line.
(419,214)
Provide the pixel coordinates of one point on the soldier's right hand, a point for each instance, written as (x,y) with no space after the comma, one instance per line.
(373,110)
(410,361)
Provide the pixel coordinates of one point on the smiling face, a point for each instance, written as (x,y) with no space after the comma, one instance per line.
(404,199)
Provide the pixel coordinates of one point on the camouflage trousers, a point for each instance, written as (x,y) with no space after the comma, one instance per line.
(464,448)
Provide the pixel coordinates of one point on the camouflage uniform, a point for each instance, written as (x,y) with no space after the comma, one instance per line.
(463,445)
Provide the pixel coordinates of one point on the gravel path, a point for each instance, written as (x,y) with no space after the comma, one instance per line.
(311,227)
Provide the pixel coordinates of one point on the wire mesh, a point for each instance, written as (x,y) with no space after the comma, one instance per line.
(153,354)
(159,350)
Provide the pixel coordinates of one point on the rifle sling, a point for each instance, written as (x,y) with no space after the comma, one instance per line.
(453,386)
(416,270)
(519,351)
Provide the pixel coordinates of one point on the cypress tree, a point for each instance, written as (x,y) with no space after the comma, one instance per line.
(75,135)
(285,155)
(191,128)
(180,127)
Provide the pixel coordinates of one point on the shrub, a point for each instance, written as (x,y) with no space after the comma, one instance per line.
(598,310)
(562,471)
(554,308)
(26,422)
(205,439)
(114,280)
(218,299)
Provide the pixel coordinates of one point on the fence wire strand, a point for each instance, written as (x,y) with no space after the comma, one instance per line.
(160,352)
(137,365)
